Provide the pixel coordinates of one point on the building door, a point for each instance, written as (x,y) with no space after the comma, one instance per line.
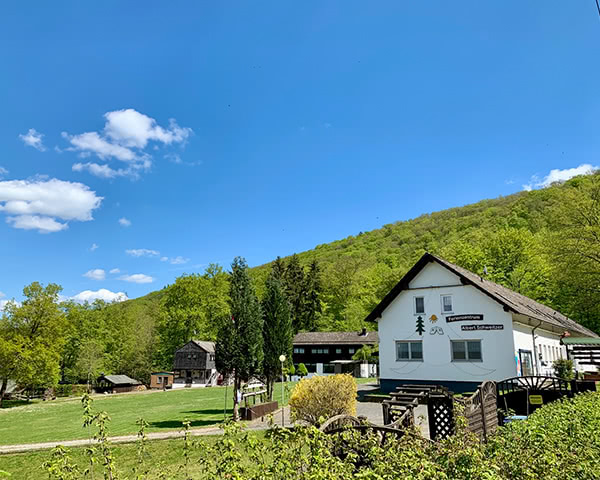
(188,376)
(526,363)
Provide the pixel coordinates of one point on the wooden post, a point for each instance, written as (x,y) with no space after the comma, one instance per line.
(482,408)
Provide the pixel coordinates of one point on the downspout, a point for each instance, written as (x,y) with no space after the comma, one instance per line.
(535,354)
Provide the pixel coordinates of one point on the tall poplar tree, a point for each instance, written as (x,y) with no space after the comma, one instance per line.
(277,330)
(312,297)
(294,291)
(239,347)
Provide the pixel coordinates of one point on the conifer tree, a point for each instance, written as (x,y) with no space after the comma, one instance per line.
(277,330)
(239,348)
(294,291)
(312,297)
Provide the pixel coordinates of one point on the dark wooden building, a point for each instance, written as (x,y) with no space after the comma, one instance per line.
(326,353)
(115,384)
(194,365)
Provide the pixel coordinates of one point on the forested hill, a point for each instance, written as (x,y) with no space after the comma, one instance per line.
(528,241)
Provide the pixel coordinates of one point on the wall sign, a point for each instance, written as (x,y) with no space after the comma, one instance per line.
(461,318)
(469,328)
(436,331)
(536,400)
(433,319)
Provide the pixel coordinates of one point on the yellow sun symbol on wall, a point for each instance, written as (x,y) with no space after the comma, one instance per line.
(433,319)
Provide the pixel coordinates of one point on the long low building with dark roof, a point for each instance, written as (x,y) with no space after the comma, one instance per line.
(325,353)
(446,325)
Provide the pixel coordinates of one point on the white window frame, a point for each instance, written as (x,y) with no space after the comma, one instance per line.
(444,312)
(415,305)
(465,341)
(352,350)
(409,359)
(338,351)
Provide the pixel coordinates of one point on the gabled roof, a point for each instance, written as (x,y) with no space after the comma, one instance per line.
(120,379)
(511,301)
(206,346)
(339,338)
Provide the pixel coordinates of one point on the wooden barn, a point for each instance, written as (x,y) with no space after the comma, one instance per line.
(194,365)
(116,384)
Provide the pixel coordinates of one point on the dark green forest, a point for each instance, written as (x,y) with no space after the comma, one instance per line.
(544,244)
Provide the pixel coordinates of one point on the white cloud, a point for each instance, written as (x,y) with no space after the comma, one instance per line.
(115,270)
(125,136)
(142,252)
(557,175)
(102,294)
(124,222)
(2,294)
(3,171)
(104,171)
(93,247)
(3,304)
(37,204)
(35,222)
(164,259)
(137,278)
(131,128)
(91,142)
(33,139)
(96,274)
(179,260)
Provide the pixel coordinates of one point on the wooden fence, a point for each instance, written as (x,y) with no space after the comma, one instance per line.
(481,411)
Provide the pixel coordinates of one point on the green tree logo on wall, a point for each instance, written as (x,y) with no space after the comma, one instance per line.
(420,325)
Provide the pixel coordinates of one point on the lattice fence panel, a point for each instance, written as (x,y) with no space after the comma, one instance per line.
(441,417)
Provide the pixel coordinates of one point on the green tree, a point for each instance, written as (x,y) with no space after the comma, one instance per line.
(277,331)
(302,370)
(31,338)
(295,291)
(191,309)
(239,347)
(312,298)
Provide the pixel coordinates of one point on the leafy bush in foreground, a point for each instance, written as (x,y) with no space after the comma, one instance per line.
(317,398)
(560,441)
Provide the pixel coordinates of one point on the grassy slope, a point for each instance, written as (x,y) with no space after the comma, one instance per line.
(61,420)
(400,244)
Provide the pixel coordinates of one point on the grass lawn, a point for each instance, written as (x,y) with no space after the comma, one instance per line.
(61,419)
(163,456)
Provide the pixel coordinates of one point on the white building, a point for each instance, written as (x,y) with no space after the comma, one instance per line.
(442,324)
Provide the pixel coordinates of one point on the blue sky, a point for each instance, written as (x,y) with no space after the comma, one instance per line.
(152,138)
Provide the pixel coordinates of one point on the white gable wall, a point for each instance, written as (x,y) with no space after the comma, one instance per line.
(398,322)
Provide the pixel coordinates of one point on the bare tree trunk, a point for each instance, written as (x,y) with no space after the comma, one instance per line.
(3,388)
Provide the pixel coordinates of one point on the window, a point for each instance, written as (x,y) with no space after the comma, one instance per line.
(447,304)
(325,351)
(311,367)
(158,379)
(409,351)
(466,350)
(351,351)
(212,357)
(338,350)
(419,305)
(299,350)
(313,350)
(328,368)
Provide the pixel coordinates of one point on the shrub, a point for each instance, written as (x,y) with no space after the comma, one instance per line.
(318,398)
(291,370)
(563,368)
(69,390)
(302,370)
